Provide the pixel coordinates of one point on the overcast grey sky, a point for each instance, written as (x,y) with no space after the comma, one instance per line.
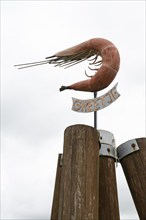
(35,113)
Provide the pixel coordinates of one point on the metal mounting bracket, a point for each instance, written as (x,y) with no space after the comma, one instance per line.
(107,142)
(127,148)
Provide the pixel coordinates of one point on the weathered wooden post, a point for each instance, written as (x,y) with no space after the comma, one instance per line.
(132,156)
(108,197)
(57,189)
(80,174)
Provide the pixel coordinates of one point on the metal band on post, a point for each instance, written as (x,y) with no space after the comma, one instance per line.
(127,148)
(107,142)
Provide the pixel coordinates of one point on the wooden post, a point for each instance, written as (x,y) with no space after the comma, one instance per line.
(108,197)
(57,189)
(80,174)
(132,155)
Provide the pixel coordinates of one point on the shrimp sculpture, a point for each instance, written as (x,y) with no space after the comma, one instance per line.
(93,48)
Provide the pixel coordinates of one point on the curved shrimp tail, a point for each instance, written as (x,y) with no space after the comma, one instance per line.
(64,88)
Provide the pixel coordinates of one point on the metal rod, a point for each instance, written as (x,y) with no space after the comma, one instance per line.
(95,113)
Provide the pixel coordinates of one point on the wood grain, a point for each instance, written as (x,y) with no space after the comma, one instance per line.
(80,174)
(57,190)
(108,197)
(134,167)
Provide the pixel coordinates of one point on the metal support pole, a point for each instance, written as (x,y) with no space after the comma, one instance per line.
(95,113)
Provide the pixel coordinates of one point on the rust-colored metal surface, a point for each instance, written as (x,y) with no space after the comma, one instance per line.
(105,69)
(93,48)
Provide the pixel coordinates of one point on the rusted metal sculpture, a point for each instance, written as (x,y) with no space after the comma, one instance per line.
(93,48)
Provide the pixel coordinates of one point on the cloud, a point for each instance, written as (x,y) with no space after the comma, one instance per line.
(35,113)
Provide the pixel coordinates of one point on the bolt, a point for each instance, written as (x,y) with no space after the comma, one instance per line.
(133,145)
(108,150)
